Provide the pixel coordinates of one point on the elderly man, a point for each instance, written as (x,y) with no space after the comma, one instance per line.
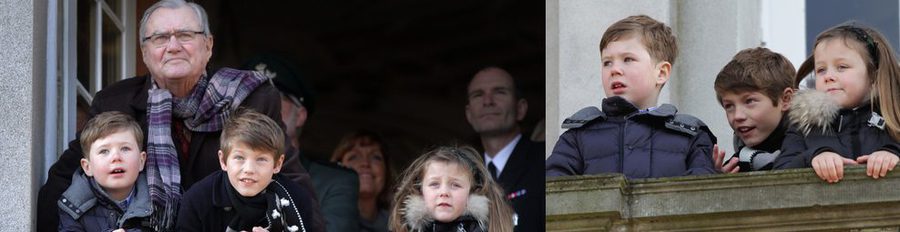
(494,110)
(181,109)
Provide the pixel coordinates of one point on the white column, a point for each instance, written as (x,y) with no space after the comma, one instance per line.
(22,61)
(710,32)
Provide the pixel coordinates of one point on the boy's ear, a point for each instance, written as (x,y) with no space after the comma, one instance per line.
(665,70)
(222,161)
(278,163)
(143,160)
(86,166)
(786,97)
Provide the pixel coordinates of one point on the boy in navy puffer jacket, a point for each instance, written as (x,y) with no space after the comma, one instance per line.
(632,134)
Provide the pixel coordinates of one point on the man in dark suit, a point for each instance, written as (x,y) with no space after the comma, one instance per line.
(494,110)
(336,187)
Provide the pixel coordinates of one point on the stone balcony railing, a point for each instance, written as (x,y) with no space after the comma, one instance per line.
(784,200)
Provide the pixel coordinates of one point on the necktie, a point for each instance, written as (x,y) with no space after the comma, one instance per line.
(492,169)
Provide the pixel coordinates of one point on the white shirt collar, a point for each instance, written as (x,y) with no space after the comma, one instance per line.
(503,155)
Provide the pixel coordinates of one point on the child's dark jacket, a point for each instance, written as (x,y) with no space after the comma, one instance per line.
(637,143)
(818,125)
(207,206)
(84,206)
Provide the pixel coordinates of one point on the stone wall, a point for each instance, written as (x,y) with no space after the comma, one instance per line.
(23,30)
(785,200)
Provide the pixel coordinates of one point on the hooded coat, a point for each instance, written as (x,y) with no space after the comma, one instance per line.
(474,219)
(818,125)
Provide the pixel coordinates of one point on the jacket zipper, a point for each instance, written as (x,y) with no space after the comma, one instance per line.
(622,147)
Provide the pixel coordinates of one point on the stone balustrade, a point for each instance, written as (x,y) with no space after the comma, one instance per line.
(783,200)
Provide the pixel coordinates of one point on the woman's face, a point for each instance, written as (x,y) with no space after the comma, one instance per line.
(368,162)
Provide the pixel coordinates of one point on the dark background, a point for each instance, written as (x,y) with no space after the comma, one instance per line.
(399,68)
(878,14)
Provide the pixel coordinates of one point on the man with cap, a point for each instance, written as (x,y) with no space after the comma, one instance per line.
(336,187)
(494,109)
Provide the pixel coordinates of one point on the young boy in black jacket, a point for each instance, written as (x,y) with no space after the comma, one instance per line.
(249,194)
(633,134)
(755,90)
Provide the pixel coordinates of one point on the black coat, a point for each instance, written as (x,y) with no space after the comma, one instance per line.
(850,136)
(638,143)
(207,206)
(523,172)
(130,96)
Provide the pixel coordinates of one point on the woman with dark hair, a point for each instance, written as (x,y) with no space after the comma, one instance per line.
(364,152)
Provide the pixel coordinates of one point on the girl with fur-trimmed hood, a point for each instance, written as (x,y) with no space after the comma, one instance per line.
(852,117)
(448,189)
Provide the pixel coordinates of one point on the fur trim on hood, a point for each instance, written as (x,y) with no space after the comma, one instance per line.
(813,110)
(417,217)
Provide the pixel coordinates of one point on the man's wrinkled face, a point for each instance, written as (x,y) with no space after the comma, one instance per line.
(182,57)
(493,107)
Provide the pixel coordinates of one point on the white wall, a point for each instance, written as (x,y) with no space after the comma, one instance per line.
(784,28)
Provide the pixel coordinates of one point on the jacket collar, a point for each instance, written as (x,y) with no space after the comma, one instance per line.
(417,215)
(618,106)
(80,198)
(139,102)
(220,197)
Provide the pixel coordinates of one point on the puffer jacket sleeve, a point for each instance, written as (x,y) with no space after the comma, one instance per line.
(891,145)
(566,158)
(797,150)
(792,150)
(699,158)
(67,223)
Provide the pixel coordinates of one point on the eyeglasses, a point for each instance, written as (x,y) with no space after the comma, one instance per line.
(160,40)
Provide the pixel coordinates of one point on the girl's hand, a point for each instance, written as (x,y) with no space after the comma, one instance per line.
(878,163)
(718,156)
(259,229)
(829,166)
(119,230)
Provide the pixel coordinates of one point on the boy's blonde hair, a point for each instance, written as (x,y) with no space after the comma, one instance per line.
(881,66)
(756,70)
(655,35)
(500,213)
(253,129)
(105,124)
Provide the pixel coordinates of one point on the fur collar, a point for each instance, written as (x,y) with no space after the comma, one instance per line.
(417,216)
(813,110)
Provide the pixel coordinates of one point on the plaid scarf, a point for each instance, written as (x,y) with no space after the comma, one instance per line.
(205,110)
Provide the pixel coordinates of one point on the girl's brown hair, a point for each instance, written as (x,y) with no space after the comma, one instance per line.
(500,213)
(881,65)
